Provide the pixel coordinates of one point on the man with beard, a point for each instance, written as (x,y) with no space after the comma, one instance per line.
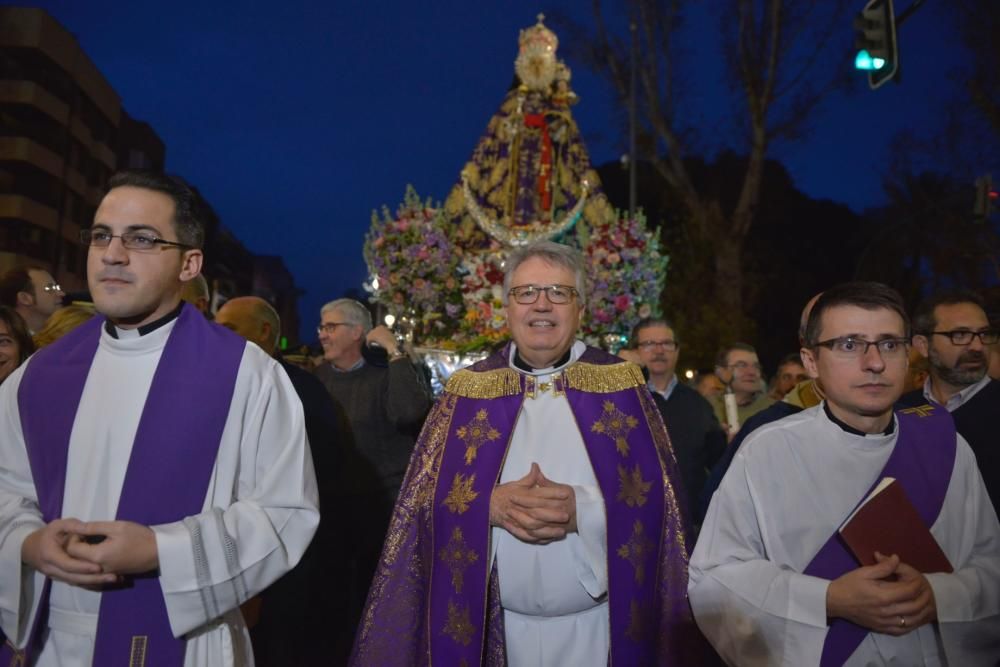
(953,332)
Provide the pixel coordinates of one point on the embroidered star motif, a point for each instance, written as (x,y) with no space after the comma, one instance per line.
(632,487)
(475,434)
(457,556)
(635,551)
(461,494)
(458,626)
(616,425)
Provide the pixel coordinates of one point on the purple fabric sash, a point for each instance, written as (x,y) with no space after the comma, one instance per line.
(622,451)
(172,459)
(922,461)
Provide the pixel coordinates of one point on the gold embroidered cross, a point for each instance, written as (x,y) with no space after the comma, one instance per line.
(921,410)
(635,550)
(458,626)
(457,556)
(475,434)
(616,425)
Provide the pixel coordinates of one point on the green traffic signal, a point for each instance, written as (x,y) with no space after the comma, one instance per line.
(864,61)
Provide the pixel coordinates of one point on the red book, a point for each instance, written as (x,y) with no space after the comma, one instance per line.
(887,522)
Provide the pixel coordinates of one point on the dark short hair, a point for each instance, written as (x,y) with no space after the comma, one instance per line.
(17,280)
(861,294)
(646,323)
(722,358)
(189,209)
(924,321)
(790,358)
(19,332)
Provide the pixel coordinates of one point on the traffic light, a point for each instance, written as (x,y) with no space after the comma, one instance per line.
(985,197)
(876,42)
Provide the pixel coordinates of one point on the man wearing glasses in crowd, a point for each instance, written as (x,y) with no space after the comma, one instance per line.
(381,404)
(951,329)
(155,467)
(697,439)
(739,369)
(33,293)
(538,522)
(770,580)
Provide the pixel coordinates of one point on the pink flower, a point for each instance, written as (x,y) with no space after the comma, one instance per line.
(622,303)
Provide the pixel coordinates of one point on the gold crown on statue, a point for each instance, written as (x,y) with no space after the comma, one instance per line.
(538,37)
(536,58)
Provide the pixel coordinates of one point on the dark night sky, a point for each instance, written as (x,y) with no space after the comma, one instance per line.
(296,119)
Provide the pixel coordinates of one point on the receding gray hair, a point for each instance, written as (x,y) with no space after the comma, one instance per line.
(353,311)
(552,253)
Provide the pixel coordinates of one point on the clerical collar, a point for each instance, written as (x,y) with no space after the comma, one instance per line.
(521,364)
(850,429)
(115,332)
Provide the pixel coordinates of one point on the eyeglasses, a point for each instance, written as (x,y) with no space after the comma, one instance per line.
(330,327)
(647,345)
(52,287)
(743,365)
(848,347)
(961,337)
(557,294)
(130,240)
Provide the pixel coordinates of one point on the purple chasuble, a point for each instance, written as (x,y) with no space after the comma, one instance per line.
(922,461)
(172,459)
(616,431)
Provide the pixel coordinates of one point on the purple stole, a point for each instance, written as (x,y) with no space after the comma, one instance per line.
(605,399)
(172,459)
(922,461)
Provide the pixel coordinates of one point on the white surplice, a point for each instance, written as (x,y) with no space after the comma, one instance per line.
(790,487)
(555,596)
(259,514)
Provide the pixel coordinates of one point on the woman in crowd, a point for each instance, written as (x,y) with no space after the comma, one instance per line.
(15,342)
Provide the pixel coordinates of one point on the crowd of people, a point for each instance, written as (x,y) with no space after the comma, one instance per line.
(174,492)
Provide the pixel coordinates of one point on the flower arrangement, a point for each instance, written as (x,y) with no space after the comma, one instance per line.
(625,276)
(450,294)
(413,267)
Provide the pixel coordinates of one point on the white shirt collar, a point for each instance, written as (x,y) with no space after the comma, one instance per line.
(959,399)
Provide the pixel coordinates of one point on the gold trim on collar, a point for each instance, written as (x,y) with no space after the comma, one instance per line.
(604,379)
(487,384)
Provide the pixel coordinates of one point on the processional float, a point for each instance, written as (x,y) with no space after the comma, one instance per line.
(438,270)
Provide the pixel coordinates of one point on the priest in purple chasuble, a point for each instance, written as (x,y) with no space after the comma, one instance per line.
(773,583)
(538,523)
(155,471)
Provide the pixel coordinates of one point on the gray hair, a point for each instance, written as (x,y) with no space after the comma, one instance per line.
(266,313)
(353,311)
(551,253)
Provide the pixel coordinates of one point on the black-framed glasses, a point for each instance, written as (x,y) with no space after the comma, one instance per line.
(647,345)
(850,347)
(963,337)
(330,327)
(136,240)
(556,294)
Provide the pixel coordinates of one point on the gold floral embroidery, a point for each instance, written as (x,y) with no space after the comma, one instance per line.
(457,556)
(616,425)
(458,626)
(475,434)
(635,551)
(632,487)
(461,494)
(595,379)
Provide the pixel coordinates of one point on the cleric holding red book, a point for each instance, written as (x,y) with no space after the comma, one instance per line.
(772,582)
